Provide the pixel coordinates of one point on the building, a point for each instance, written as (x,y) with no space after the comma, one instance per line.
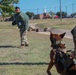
(44,15)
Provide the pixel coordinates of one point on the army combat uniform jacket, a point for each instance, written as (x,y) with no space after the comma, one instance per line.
(21,19)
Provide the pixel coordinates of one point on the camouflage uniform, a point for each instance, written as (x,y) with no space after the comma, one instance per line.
(23,36)
(21,19)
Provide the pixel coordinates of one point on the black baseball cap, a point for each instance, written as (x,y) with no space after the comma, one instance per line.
(17,7)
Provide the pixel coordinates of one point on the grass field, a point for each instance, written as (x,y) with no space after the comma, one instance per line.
(32,60)
(56,23)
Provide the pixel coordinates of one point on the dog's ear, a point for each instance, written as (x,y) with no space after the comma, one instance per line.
(62,35)
(72,31)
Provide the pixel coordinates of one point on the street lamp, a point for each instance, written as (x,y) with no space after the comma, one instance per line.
(60,11)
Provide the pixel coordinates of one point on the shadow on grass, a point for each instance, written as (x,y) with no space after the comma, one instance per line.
(8,46)
(23,63)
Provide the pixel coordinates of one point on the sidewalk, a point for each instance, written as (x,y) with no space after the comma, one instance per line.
(59,31)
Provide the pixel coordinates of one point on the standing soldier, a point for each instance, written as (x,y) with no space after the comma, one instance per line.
(21,19)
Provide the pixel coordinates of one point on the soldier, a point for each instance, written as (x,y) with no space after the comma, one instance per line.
(21,19)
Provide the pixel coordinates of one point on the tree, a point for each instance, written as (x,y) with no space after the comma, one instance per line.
(7,7)
(64,14)
(30,14)
(73,14)
(52,14)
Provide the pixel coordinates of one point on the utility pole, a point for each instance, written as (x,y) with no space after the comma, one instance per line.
(66,11)
(60,11)
(37,11)
(73,7)
(55,10)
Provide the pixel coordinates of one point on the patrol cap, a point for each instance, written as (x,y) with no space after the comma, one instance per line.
(17,7)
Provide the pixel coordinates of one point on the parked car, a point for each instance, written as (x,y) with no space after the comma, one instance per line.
(69,16)
(56,17)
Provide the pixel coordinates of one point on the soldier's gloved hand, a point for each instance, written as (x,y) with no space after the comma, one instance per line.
(14,23)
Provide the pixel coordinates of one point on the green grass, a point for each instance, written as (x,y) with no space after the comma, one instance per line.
(55,23)
(32,60)
(7,25)
(28,61)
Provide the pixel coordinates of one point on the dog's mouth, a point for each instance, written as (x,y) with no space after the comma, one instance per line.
(57,44)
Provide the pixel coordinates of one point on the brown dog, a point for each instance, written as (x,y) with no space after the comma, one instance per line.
(55,44)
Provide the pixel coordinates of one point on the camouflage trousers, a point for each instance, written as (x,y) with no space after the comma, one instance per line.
(23,37)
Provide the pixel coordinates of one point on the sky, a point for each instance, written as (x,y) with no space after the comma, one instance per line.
(38,6)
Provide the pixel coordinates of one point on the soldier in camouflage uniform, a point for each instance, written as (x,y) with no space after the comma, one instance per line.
(21,19)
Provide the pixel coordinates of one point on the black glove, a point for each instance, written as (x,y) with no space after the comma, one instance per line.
(14,23)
